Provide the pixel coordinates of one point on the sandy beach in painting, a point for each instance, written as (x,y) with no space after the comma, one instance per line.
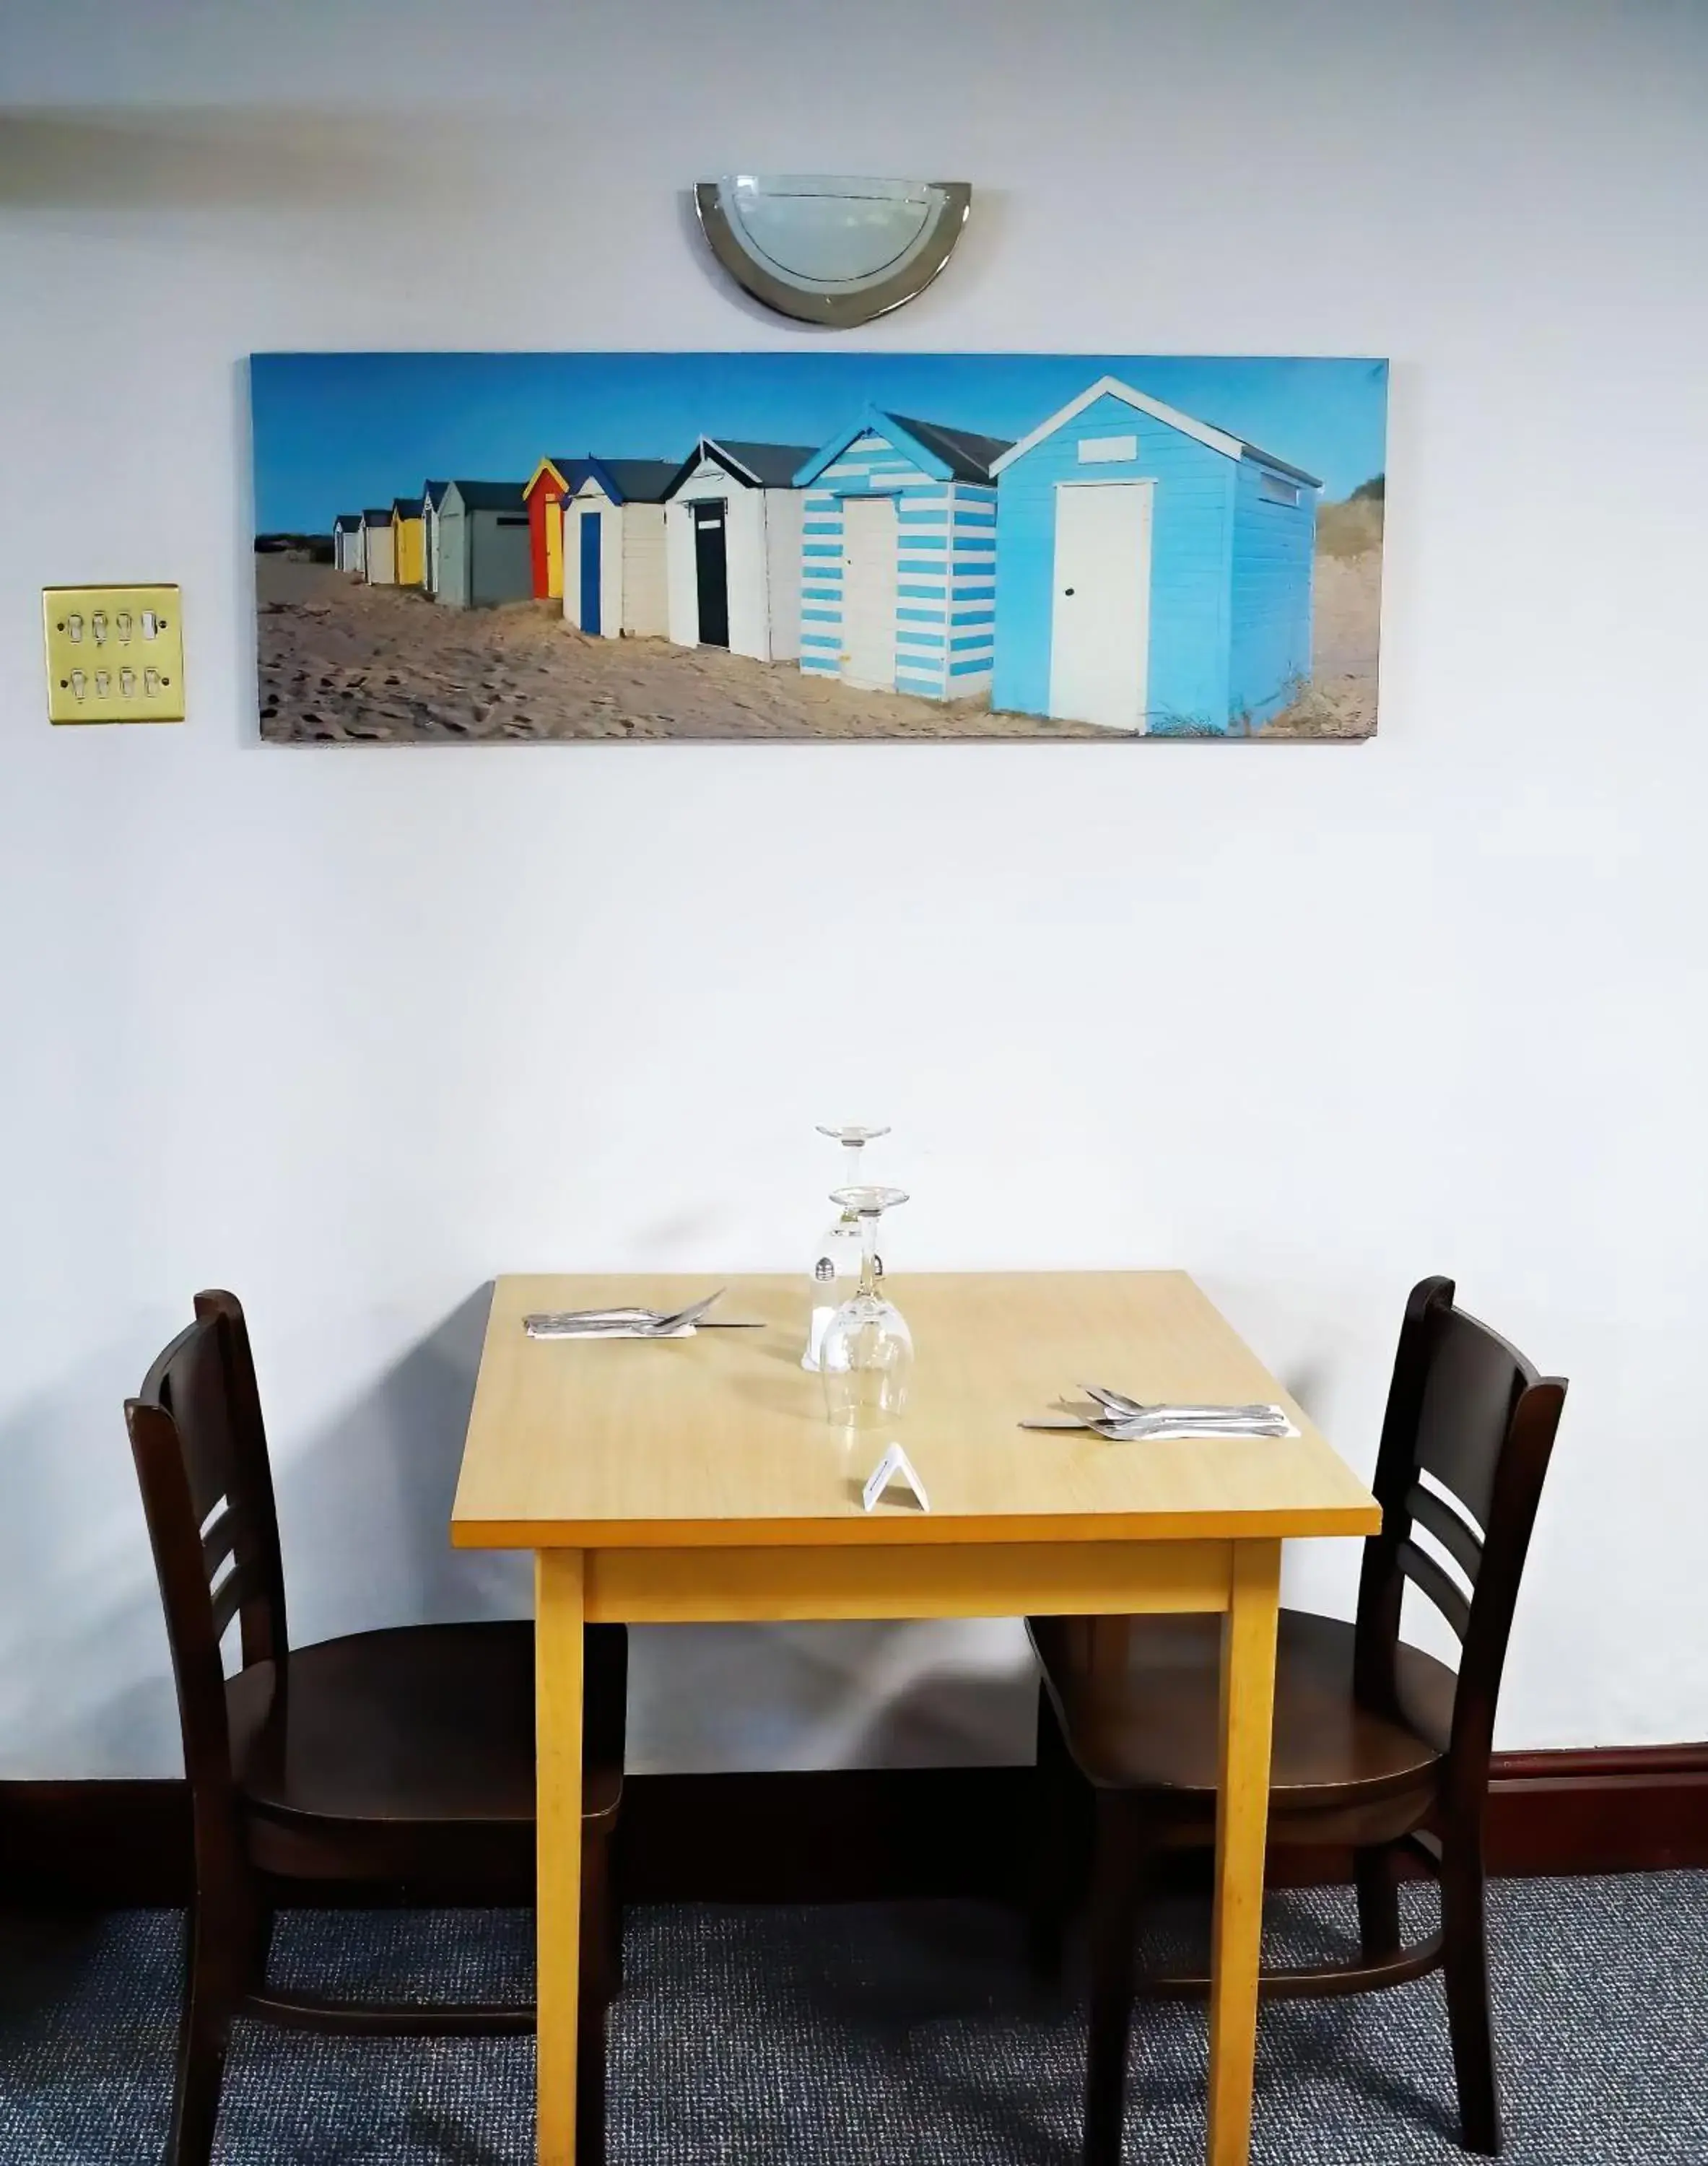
(1340,699)
(341,662)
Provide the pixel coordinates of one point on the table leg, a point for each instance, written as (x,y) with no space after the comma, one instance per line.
(557,1697)
(1242,1822)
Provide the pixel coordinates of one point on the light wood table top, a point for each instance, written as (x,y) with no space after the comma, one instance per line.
(721,1440)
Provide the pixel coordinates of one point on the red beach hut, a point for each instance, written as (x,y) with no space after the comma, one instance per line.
(554,479)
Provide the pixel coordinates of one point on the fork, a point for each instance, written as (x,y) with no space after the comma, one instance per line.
(647,1322)
(1122,1409)
(1118,1402)
(1113,1415)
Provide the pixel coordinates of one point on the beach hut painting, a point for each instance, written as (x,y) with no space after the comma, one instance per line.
(613,566)
(818,544)
(732,545)
(898,557)
(432,496)
(1153,570)
(552,480)
(379,554)
(409,549)
(483,557)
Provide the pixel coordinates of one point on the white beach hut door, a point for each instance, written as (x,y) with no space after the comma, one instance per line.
(868,592)
(1100,610)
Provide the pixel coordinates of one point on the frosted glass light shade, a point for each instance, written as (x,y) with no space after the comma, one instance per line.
(830,249)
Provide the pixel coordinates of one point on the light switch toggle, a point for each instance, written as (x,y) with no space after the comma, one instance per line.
(126,686)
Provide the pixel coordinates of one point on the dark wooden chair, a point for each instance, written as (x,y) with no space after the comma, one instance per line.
(391,1757)
(1378,1748)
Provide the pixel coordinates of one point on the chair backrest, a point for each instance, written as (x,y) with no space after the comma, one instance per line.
(1465,1447)
(201,1458)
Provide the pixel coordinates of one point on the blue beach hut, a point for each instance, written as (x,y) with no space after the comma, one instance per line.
(1154,574)
(897,558)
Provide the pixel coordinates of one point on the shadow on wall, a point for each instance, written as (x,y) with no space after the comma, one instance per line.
(950,1716)
(85,1684)
(365,1507)
(232,158)
(727,1698)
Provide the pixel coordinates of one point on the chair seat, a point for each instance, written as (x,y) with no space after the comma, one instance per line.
(1145,1717)
(427,1728)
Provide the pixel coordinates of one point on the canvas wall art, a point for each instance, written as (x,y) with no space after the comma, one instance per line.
(765,546)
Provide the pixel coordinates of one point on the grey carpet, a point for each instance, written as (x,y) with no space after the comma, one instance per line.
(873,2032)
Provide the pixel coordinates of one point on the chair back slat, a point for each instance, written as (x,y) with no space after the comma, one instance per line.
(201,1459)
(1429,1578)
(1467,1415)
(189,1382)
(220,1539)
(1474,1380)
(226,1598)
(1439,1518)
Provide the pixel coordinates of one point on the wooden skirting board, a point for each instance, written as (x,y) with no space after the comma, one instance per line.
(865,1835)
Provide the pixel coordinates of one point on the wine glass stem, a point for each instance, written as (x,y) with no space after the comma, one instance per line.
(868,1253)
(852,1147)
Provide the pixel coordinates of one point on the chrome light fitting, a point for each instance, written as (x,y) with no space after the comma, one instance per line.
(831,250)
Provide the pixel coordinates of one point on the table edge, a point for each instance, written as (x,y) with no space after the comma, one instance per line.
(889,1525)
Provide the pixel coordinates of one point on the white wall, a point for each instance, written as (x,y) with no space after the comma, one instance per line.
(349,1030)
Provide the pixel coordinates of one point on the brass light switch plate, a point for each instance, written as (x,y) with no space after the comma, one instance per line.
(115,654)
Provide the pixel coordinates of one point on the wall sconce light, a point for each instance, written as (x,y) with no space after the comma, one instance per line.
(829,249)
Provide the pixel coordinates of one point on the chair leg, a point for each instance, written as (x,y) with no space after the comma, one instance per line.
(601,1973)
(261,1946)
(1116,1876)
(212,1986)
(1374,1871)
(613,1914)
(1050,1892)
(605,1719)
(1465,1971)
(590,2084)
(601,1922)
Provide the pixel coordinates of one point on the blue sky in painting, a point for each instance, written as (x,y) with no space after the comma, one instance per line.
(336,432)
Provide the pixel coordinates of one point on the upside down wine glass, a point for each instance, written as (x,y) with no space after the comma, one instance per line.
(867,1355)
(837,1269)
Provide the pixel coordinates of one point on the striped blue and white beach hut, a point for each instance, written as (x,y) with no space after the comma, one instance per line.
(898,557)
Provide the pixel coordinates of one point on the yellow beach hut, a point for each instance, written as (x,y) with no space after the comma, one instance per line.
(408,541)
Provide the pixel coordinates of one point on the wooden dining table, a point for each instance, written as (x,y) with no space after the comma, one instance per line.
(694,1480)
